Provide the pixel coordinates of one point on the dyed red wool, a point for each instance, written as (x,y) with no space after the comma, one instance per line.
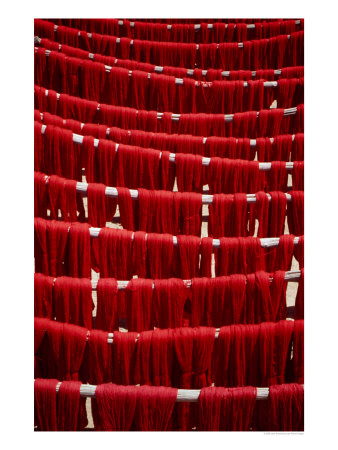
(67,344)
(228,215)
(96,204)
(206,256)
(160,254)
(298,352)
(284,409)
(50,241)
(275,340)
(143,372)
(184,344)
(259,304)
(72,414)
(298,175)
(154,408)
(107,312)
(79,251)
(204,338)
(40,195)
(114,407)
(139,305)
(115,250)
(73,301)
(296,213)
(224,409)
(299,306)
(45,414)
(169,299)
(62,196)
(189,172)
(188,250)
(43,296)
(126,208)
(100,360)
(161,359)
(124,349)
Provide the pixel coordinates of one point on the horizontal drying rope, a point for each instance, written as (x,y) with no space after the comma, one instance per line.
(183,395)
(253,142)
(179,80)
(159,69)
(176,117)
(240,44)
(216,243)
(292,275)
(110,338)
(265,242)
(197,26)
(206,199)
(78,139)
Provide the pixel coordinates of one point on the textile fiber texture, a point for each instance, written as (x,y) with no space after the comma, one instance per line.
(169,224)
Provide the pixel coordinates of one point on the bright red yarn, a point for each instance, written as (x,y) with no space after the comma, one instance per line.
(73,301)
(299,306)
(64,410)
(45,415)
(169,300)
(107,312)
(43,296)
(114,407)
(72,414)
(284,409)
(100,361)
(224,409)
(126,408)
(139,305)
(171,328)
